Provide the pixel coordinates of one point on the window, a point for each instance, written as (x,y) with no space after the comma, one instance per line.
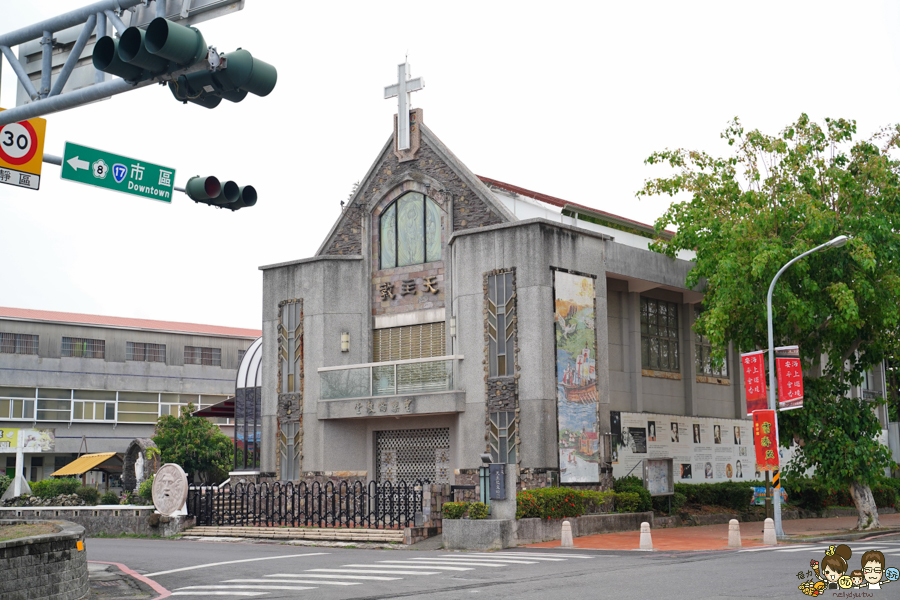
(415,341)
(141,352)
(17,403)
(138,407)
(83,348)
(503,437)
(410,232)
(194,355)
(241,354)
(703,356)
(18,343)
(659,335)
(501,325)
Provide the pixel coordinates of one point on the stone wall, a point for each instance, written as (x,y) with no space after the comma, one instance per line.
(49,566)
(106,520)
(534,531)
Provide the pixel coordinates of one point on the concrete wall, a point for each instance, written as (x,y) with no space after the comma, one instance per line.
(106,520)
(44,567)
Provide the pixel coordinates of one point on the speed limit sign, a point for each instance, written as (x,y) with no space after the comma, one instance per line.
(22,153)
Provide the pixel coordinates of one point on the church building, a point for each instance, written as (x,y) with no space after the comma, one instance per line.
(448,315)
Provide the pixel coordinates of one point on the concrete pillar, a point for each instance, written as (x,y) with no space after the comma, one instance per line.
(769,538)
(632,343)
(646,541)
(734,534)
(688,359)
(20,470)
(566,538)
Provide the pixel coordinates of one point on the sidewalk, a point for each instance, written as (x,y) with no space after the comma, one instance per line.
(715,537)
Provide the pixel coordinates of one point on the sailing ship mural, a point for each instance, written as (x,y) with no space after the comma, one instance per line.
(576,377)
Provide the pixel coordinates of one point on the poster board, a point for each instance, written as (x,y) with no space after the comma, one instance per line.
(658,479)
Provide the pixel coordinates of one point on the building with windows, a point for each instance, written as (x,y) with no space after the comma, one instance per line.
(446,315)
(71,383)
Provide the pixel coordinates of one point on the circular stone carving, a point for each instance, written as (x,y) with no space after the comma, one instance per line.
(170,488)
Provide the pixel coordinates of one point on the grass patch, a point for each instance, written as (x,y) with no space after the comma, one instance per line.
(12,532)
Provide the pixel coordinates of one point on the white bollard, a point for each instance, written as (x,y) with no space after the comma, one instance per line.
(734,534)
(646,542)
(769,533)
(566,541)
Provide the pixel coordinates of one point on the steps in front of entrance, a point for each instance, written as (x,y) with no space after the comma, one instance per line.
(301,533)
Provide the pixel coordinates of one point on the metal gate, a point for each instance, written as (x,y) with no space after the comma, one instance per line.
(413,454)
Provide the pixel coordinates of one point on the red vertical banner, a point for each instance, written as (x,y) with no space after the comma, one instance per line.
(765,441)
(754,380)
(790,377)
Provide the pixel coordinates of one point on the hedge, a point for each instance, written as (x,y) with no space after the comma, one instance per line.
(51,488)
(4,483)
(458,510)
(635,485)
(89,494)
(730,494)
(811,494)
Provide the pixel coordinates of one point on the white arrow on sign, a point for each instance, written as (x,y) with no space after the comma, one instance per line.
(76,163)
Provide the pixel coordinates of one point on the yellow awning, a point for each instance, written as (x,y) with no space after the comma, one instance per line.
(83,464)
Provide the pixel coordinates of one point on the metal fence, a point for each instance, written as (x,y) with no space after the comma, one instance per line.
(373,505)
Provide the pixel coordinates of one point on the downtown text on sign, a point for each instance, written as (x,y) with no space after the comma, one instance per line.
(22,153)
(90,166)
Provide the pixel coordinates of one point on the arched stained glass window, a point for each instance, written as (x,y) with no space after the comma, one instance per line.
(410,232)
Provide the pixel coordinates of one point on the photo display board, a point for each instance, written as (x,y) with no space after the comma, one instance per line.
(703,450)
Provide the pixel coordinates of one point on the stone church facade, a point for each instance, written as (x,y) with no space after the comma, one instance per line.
(447,315)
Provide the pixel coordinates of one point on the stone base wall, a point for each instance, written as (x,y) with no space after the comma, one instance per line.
(533,531)
(96,520)
(480,534)
(44,567)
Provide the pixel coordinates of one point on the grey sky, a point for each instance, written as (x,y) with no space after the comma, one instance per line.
(565,99)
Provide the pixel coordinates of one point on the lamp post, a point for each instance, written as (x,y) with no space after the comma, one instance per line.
(835,243)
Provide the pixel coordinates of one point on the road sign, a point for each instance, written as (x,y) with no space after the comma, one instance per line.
(22,153)
(118,173)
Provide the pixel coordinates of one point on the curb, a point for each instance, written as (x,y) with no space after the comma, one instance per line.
(844,537)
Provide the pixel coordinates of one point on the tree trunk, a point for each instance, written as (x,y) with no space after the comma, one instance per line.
(865,504)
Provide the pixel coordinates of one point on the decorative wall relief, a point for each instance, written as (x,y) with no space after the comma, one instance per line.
(289,458)
(576,377)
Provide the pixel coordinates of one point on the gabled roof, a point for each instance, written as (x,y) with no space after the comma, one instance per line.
(49,316)
(85,463)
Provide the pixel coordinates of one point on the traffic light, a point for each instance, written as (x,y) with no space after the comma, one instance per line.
(238,75)
(209,190)
(138,55)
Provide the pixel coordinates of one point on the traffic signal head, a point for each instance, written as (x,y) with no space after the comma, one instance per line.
(209,190)
(164,47)
(241,74)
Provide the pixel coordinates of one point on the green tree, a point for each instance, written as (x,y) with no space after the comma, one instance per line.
(195,444)
(749,213)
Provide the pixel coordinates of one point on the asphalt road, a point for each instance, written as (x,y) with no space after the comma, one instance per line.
(272,571)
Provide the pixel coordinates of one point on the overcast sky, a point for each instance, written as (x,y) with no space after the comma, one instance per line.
(566,99)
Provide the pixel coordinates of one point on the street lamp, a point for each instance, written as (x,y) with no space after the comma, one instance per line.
(835,243)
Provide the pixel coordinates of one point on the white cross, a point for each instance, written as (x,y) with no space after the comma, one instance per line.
(401,90)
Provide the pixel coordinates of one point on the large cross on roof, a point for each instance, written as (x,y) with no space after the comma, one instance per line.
(402,90)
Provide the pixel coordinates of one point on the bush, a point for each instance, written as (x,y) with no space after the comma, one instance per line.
(661,503)
(478,510)
(89,494)
(146,489)
(4,483)
(628,502)
(50,488)
(454,510)
(527,505)
(729,494)
(598,502)
(549,503)
(885,495)
(634,485)
(109,498)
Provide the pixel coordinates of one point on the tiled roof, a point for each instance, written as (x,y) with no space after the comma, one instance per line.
(562,203)
(28,314)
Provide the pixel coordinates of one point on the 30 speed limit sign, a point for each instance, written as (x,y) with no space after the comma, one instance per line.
(22,153)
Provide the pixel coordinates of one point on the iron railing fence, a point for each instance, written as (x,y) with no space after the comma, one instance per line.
(374,505)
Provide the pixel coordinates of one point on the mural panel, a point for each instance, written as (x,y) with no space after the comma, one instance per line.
(576,378)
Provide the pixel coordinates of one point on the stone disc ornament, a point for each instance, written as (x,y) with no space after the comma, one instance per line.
(170,489)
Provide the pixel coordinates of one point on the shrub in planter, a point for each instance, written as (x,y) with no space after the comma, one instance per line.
(50,488)
(628,502)
(549,503)
(89,494)
(478,510)
(145,491)
(634,485)
(4,483)
(598,502)
(661,503)
(885,495)
(454,510)
(109,498)
(527,505)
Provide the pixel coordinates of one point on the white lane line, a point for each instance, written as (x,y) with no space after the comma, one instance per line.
(366,577)
(807,548)
(528,556)
(439,561)
(232,562)
(377,572)
(770,548)
(406,566)
(478,559)
(232,593)
(249,587)
(536,554)
(291,581)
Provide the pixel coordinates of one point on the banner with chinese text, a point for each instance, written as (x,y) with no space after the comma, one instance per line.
(790,377)
(765,441)
(754,380)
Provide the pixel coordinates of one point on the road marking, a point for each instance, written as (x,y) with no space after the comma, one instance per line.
(232,593)
(530,557)
(536,554)
(377,572)
(366,577)
(478,560)
(232,562)
(249,587)
(406,566)
(806,549)
(290,581)
(512,561)
(442,561)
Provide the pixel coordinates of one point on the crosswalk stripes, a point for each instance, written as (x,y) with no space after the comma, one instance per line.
(359,574)
(888,548)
